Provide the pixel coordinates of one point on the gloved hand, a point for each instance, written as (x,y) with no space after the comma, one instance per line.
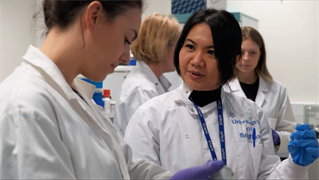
(303,145)
(199,172)
(275,137)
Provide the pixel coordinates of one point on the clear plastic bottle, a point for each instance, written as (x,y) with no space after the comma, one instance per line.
(112,106)
(107,100)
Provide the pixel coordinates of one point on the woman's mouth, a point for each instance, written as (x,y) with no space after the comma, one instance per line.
(113,67)
(195,75)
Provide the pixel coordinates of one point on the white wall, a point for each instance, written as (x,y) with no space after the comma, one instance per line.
(290,30)
(217,4)
(161,6)
(39,26)
(16,33)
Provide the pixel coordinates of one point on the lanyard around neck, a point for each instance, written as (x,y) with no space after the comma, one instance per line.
(221,130)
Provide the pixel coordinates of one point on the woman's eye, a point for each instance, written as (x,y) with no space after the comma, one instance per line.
(126,41)
(211,52)
(253,52)
(189,46)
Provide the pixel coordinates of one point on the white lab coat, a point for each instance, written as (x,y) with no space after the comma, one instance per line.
(273,98)
(140,85)
(166,130)
(49,132)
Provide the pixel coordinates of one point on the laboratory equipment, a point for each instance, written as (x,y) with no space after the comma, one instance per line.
(107,100)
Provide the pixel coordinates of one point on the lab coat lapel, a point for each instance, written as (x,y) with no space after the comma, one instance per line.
(50,72)
(187,124)
(236,88)
(152,78)
(189,130)
(108,133)
(164,84)
(262,89)
(190,127)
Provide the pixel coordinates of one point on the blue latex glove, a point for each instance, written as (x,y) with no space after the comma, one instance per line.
(303,145)
(275,137)
(199,172)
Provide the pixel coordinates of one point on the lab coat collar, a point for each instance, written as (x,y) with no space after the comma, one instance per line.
(41,62)
(83,88)
(152,77)
(165,83)
(262,89)
(186,91)
(234,87)
(260,98)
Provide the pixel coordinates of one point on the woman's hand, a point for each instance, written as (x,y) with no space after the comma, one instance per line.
(303,145)
(199,172)
(275,137)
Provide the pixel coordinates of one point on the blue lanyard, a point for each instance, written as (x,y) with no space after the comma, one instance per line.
(221,130)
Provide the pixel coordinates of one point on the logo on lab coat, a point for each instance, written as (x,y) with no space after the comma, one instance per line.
(230,114)
(252,122)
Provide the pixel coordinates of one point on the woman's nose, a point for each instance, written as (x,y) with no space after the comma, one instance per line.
(125,57)
(198,60)
(245,56)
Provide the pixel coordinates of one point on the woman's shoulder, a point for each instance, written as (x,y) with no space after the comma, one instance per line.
(278,84)
(161,103)
(27,90)
(275,86)
(137,80)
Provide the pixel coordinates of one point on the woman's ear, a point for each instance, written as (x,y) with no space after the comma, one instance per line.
(93,13)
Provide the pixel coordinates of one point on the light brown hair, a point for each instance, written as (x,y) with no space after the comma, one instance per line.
(254,35)
(157,34)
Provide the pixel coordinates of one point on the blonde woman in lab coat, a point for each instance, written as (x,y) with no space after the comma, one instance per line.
(253,81)
(153,50)
(199,121)
(50,127)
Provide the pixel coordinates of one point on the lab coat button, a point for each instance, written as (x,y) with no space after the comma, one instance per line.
(192,110)
(186,91)
(186,136)
(178,104)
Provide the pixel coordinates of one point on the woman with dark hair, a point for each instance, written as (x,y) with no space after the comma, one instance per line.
(50,127)
(199,121)
(253,81)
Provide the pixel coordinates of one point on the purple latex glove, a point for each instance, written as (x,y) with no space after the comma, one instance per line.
(199,172)
(275,137)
